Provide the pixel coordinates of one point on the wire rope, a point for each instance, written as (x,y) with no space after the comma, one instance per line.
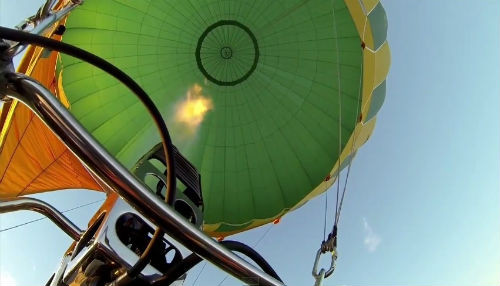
(42,218)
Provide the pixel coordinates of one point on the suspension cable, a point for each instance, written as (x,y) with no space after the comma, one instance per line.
(330,243)
(42,218)
(351,154)
(199,273)
(254,246)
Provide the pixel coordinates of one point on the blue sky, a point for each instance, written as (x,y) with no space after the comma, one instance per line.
(423,201)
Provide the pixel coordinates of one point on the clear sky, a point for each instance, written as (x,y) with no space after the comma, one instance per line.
(423,201)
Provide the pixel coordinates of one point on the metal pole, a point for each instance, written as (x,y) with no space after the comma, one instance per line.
(102,164)
(30,204)
(43,21)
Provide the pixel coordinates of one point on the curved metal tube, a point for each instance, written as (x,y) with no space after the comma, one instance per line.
(105,166)
(30,204)
(44,21)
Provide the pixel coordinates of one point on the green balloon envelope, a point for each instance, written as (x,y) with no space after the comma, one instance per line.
(280,84)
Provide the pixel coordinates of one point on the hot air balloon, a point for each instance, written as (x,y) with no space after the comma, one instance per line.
(265,101)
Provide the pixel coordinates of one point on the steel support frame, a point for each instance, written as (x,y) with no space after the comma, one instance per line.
(30,204)
(48,108)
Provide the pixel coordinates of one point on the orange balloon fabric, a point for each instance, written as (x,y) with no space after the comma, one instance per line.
(32,158)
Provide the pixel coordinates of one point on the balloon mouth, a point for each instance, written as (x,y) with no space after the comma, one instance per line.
(227,53)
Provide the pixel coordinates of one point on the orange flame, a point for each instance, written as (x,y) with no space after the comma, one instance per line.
(193,109)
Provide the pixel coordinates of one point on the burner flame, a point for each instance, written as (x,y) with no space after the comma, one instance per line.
(192,110)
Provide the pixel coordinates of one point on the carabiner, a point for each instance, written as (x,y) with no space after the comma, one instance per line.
(319,276)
